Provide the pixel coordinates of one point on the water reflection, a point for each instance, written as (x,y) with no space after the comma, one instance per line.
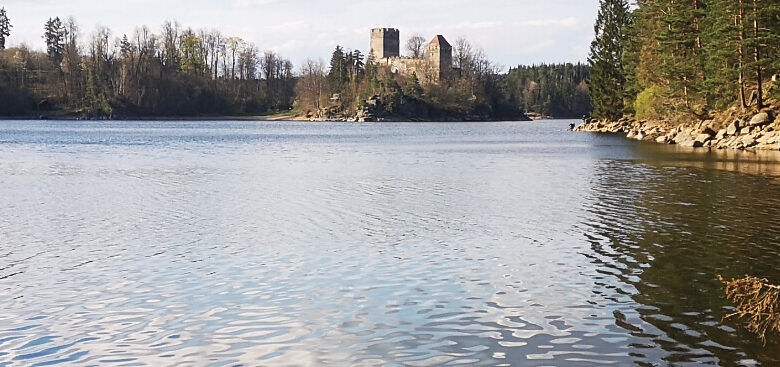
(668,231)
(760,162)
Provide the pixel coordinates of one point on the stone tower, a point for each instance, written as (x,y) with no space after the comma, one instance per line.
(385,43)
(440,56)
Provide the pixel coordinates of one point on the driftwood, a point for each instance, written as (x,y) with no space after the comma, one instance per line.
(758,303)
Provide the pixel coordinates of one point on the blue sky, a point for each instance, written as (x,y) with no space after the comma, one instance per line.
(511,32)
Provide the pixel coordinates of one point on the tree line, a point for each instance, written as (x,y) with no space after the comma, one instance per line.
(557,90)
(180,71)
(175,72)
(672,58)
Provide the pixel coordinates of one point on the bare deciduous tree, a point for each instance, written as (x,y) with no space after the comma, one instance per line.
(416,46)
(311,83)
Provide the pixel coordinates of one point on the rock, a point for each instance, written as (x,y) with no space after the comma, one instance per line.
(685,140)
(760,119)
(661,139)
(721,134)
(733,129)
(747,141)
(709,131)
(702,138)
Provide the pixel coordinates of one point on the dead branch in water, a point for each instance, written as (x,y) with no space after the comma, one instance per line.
(757,301)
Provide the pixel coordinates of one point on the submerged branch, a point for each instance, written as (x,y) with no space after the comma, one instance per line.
(757,301)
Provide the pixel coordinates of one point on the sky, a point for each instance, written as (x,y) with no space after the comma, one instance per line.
(511,32)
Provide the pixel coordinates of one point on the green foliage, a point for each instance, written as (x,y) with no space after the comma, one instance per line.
(649,103)
(608,76)
(631,60)
(698,56)
(54,34)
(557,90)
(413,87)
(721,46)
(192,56)
(338,75)
(682,56)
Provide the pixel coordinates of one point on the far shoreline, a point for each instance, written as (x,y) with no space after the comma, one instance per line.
(269,117)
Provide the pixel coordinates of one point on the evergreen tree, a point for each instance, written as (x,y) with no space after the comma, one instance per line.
(125,48)
(723,39)
(764,23)
(5,27)
(558,90)
(607,85)
(338,74)
(54,34)
(358,66)
(682,58)
(413,87)
(632,55)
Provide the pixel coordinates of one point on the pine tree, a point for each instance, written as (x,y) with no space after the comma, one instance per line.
(338,74)
(125,48)
(413,87)
(723,44)
(607,84)
(5,27)
(358,66)
(763,18)
(54,34)
(681,61)
(632,54)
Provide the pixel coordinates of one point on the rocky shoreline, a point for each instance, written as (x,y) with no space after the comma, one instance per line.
(731,129)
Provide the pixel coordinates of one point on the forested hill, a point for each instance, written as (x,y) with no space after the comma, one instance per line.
(556,90)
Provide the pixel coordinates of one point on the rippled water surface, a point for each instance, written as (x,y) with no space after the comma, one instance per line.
(248,243)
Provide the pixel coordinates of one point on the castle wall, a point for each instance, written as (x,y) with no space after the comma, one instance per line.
(385,50)
(385,43)
(407,66)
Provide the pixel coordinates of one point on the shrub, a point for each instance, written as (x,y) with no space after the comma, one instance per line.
(648,103)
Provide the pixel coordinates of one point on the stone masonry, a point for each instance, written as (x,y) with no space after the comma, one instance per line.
(433,68)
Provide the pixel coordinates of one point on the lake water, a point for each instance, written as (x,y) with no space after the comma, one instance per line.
(390,244)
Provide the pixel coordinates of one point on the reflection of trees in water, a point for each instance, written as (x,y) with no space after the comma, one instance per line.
(760,162)
(669,231)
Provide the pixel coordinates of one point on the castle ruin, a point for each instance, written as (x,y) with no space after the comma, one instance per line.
(434,67)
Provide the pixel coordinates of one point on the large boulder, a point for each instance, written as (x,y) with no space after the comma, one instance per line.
(684,139)
(760,119)
(747,141)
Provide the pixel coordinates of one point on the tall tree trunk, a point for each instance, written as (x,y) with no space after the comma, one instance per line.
(696,25)
(741,24)
(757,54)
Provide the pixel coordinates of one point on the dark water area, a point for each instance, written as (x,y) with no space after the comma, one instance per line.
(390,244)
